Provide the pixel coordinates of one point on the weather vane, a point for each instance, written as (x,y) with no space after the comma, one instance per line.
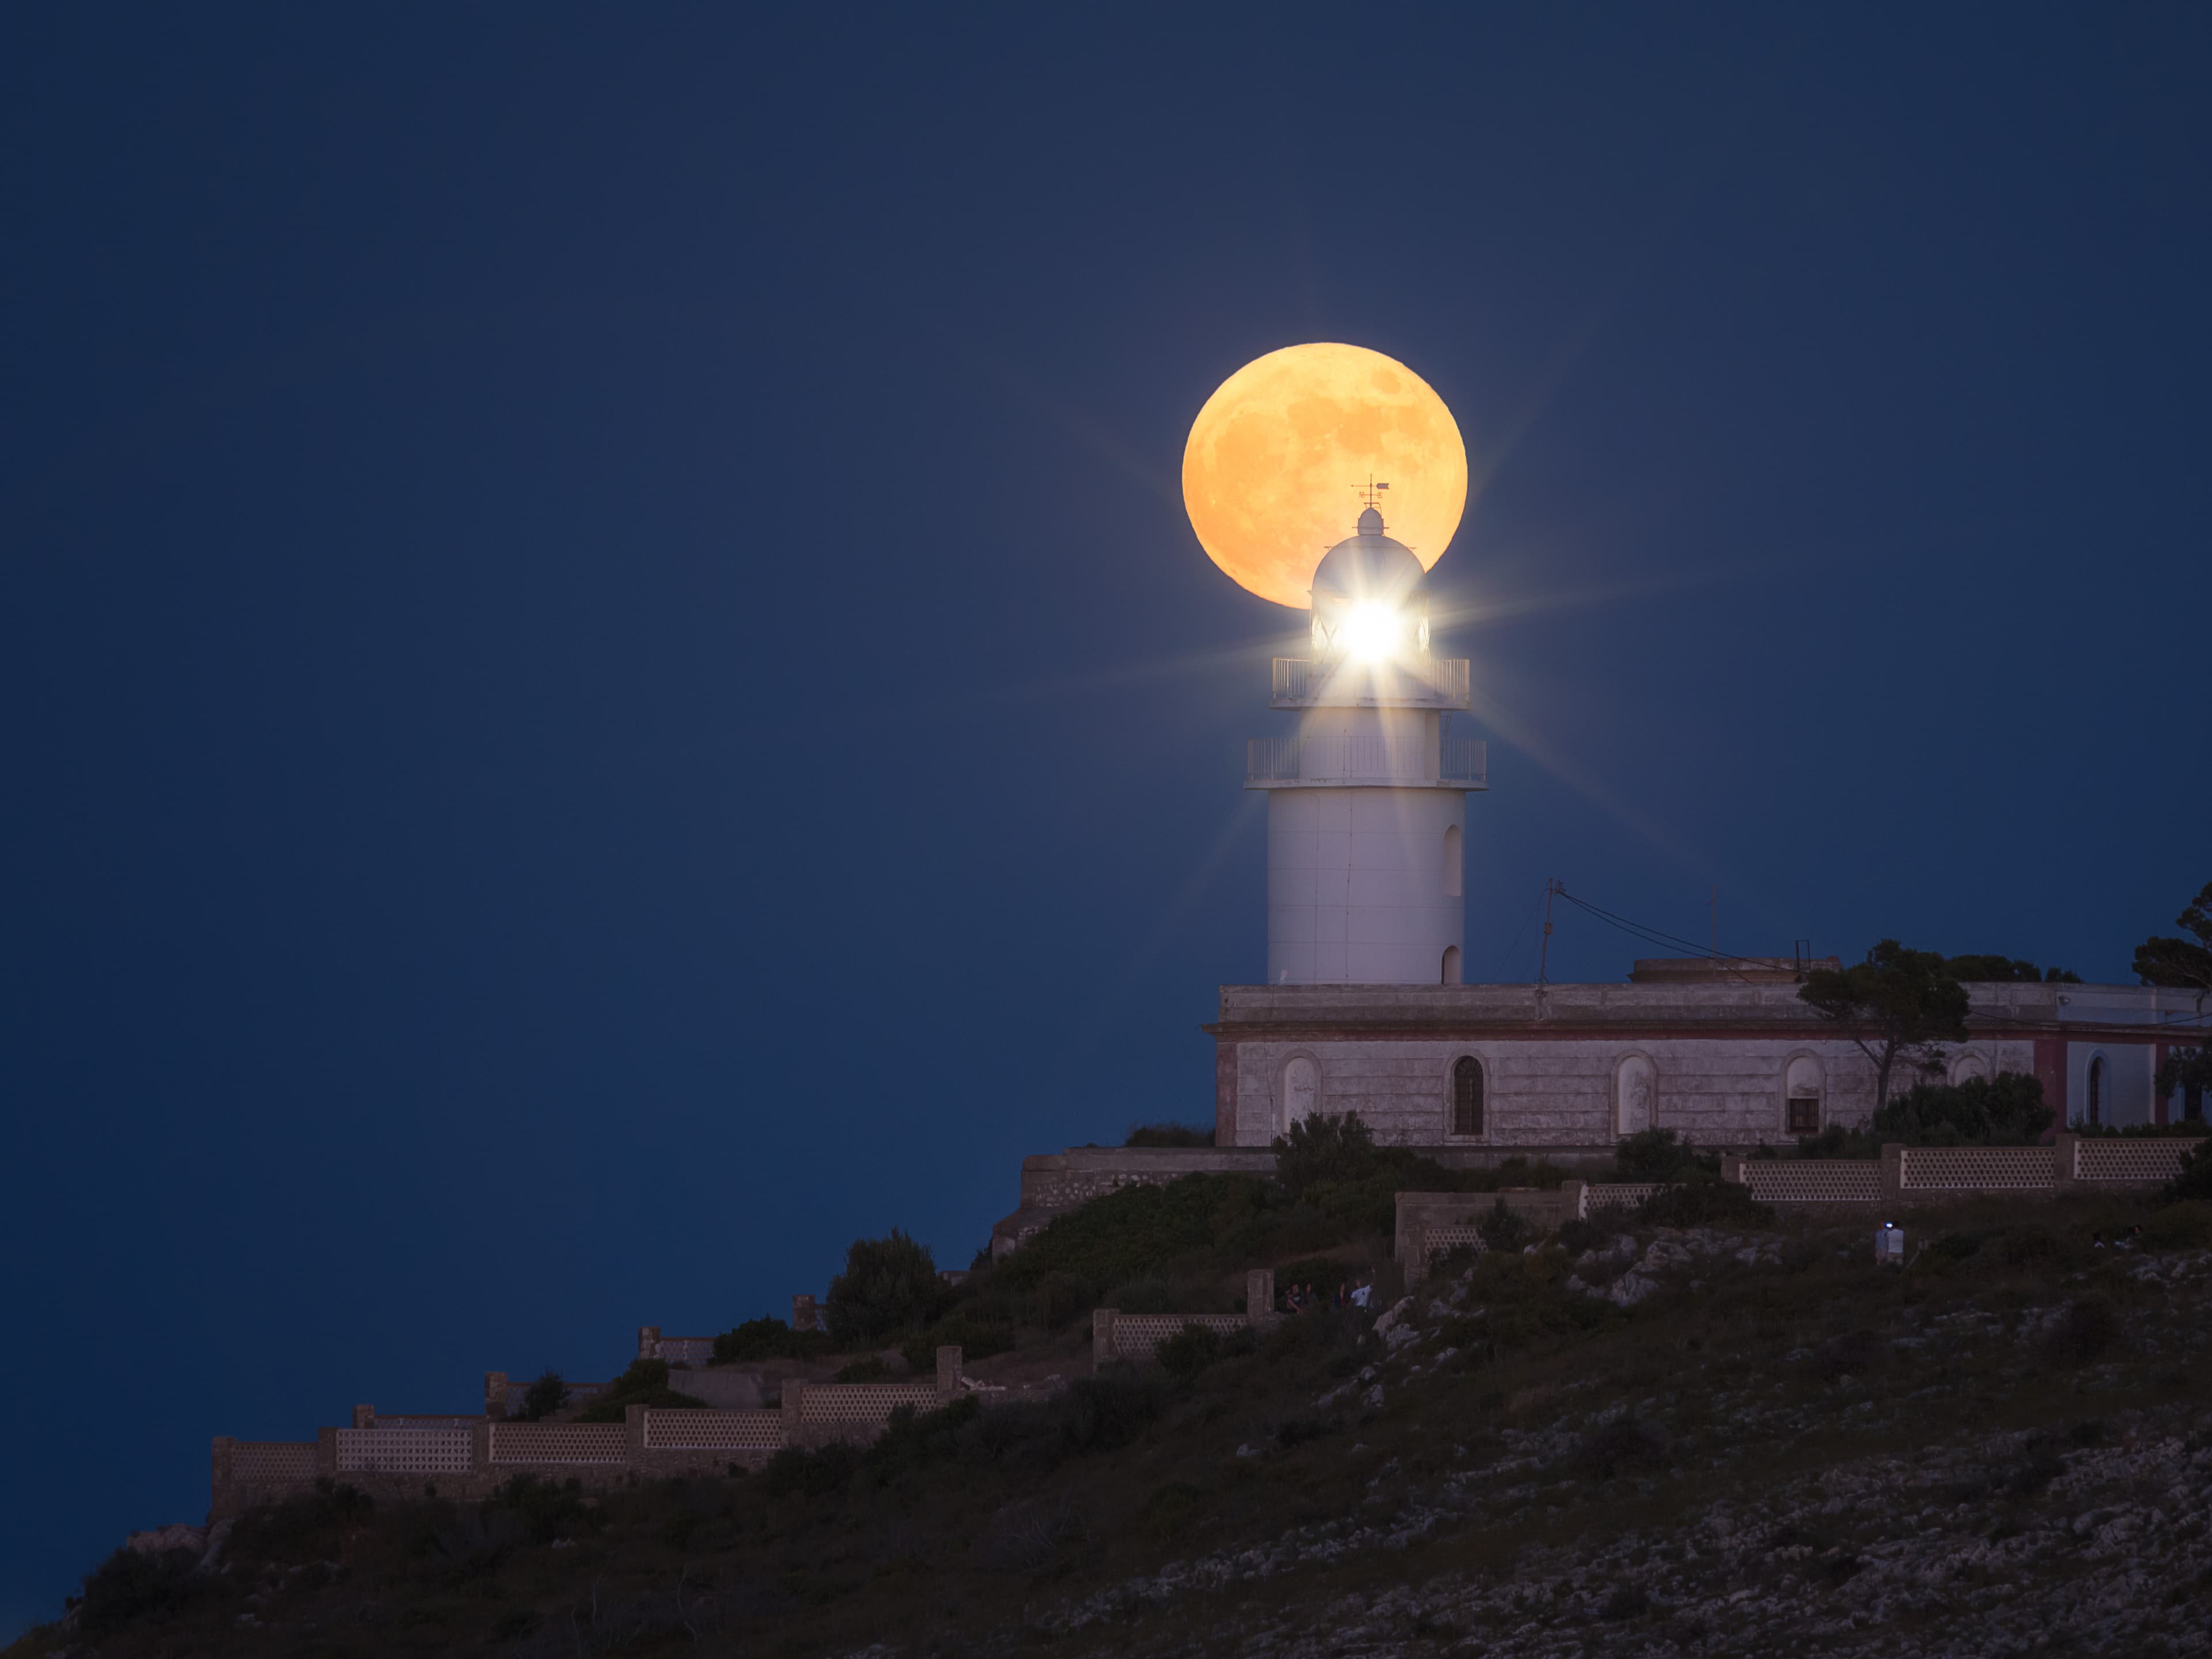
(1370,491)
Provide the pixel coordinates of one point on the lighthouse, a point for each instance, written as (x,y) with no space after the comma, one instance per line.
(1367,801)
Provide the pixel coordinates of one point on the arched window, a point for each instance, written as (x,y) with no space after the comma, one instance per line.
(1454,883)
(1802,1085)
(1451,964)
(1467,1096)
(2096,1092)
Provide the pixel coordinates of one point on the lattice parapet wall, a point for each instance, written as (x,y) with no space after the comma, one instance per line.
(405,1451)
(1137,1337)
(1978,1168)
(740,1433)
(559,1442)
(1813,1181)
(273,1460)
(863,1402)
(1441,1241)
(2139,1161)
(1617,1194)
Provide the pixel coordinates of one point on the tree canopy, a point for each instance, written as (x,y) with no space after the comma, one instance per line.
(2016,969)
(2006,1110)
(2185,963)
(1911,999)
(889,1287)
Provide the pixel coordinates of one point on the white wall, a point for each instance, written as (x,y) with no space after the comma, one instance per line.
(1356,885)
(1561,1092)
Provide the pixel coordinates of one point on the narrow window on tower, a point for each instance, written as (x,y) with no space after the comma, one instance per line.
(1454,879)
(1467,1096)
(1451,964)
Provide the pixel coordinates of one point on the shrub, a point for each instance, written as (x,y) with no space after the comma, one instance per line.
(545,1396)
(767,1339)
(810,1473)
(1503,1231)
(1111,1409)
(2006,1110)
(1837,1141)
(644,1383)
(889,1288)
(2193,1181)
(1660,1154)
(1324,1147)
(1060,1297)
(1706,1204)
(871,1369)
(1189,1351)
(1168,1134)
(131,1585)
(1622,1446)
(977,1338)
(2180,1226)
(2084,1332)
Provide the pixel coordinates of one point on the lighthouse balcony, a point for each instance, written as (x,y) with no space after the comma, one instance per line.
(1365,761)
(1411,682)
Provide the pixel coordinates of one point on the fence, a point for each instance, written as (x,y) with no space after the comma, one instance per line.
(744,1433)
(1977,1169)
(1617,1194)
(676,1350)
(405,1451)
(2101,1159)
(471,1456)
(565,1444)
(843,1404)
(1441,1241)
(1137,1337)
(1813,1181)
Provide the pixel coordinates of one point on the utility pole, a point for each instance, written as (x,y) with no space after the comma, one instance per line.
(1543,950)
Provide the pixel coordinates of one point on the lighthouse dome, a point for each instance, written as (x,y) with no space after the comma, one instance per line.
(1368,569)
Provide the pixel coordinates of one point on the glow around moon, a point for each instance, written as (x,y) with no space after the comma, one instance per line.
(1269,474)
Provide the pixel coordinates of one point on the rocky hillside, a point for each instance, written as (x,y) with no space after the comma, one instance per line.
(1748,1439)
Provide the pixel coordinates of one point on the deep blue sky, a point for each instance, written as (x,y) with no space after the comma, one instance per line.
(606,686)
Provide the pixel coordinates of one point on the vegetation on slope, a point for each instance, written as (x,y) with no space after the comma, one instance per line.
(1520,1458)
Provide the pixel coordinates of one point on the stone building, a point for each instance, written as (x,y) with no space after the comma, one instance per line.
(1721,1051)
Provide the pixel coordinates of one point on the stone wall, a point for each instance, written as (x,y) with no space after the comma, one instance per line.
(468,1458)
(1561,1094)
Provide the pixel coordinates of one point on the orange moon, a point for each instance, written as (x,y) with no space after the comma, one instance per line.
(1270,472)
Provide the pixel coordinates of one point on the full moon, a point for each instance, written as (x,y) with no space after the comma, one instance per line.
(1274,459)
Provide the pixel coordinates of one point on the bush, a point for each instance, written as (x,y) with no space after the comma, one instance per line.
(873,1368)
(2193,1181)
(2180,1226)
(1189,1351)
(1622,1446)
(1706,1204)
(1060,1297)
(1503,1230)
(2084,1332)
(810,1473)
(131,1585)
(1837,1141)
(976,1338)
(545,1396)
(1168,1134)
(1324,1147)
(1660,1154)
(2006,1110)
(767,1339)
(889,1287)
(644,1383)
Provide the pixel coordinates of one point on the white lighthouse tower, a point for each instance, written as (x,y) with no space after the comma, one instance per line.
(1367,805)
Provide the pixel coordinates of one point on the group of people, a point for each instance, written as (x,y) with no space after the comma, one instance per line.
(1304,1298)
